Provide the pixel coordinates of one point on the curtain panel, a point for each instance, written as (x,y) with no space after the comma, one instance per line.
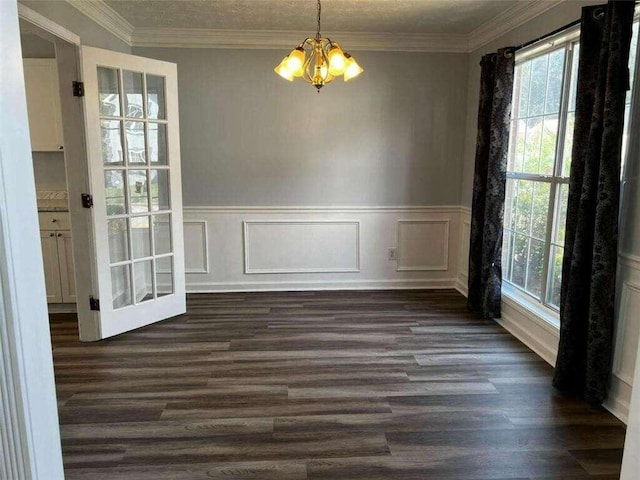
(591,246)
(487,214)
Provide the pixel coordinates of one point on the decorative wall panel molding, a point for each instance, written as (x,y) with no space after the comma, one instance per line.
(628,332)
(305,248)
(315,246)
(196,247)
(423,245)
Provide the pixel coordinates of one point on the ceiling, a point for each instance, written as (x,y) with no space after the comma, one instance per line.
(392,16)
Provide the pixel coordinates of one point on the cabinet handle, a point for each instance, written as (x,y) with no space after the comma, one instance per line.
(52,234)
(60,147)
(53,220)
(59,234)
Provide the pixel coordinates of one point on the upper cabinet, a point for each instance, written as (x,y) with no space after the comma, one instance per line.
(43,104)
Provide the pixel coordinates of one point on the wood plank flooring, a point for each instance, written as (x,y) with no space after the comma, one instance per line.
(322,385)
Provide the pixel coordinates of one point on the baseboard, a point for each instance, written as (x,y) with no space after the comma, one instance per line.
(271,286)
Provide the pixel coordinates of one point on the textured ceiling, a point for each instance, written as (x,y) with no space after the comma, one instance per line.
(395,16)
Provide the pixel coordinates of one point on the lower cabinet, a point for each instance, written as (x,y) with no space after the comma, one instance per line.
(57,254)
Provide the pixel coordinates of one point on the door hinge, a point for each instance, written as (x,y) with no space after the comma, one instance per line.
(94,304)
(87,200)
(78,89)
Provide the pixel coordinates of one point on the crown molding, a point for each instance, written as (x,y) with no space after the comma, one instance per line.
(106,17)
(509,19)
(269,39)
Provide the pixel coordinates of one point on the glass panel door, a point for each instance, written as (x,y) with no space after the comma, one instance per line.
(134,163)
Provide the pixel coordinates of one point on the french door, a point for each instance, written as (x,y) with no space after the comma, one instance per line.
(133,145)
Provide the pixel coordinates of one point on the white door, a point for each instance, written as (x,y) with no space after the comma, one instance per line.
(133,144)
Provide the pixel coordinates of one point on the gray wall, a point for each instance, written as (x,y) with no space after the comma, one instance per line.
(248,137)
(90,32)
(35,47)
(549,21)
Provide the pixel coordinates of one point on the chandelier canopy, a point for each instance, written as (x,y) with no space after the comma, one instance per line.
(318,61)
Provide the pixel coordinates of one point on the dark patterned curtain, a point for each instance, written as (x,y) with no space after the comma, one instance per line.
(591,241)
(485,249)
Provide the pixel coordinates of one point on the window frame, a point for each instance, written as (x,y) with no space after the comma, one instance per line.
(568,40)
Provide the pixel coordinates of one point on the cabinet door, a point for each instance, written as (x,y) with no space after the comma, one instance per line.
(65,259)
(49,243)
(43,104)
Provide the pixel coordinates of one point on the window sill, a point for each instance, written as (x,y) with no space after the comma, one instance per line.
(545,316)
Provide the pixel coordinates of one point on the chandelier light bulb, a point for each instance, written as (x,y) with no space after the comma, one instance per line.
(295,62)
(353,69)
(283,71)
(337,61)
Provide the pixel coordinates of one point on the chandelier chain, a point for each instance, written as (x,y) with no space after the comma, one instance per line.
(319,11)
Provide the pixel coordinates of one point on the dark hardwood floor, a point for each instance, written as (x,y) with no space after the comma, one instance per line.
(322,385)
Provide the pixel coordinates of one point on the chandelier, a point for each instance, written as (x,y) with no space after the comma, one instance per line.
(318,61)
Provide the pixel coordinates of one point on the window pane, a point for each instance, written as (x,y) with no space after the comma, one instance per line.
(522,84)
(561,216)
(157,138)
(507,253)
(553,297)
(111,136)
(120,286)
(118,240)
(539,212)
(140,237)
(548,147)
(114,192)
(159,190)
(554,81)
(132,94)
(509,204)
(162,233)
(535,264)
(155,97)
(538,85)
(135,142)
(143,280)
(568,145)
(109,92)
(138,191)
(519,259)
(164,276)
(532,145)
(523,206)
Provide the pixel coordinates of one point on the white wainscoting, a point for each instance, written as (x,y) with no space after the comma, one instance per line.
(309,248)
(542,337)
(313,246)
(423,245)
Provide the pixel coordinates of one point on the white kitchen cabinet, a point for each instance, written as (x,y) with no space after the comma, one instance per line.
(43,104)
(49,243)
(57,255)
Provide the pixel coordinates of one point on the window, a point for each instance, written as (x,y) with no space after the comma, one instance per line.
(539,162)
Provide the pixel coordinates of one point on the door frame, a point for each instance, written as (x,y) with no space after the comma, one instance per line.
(30,434)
